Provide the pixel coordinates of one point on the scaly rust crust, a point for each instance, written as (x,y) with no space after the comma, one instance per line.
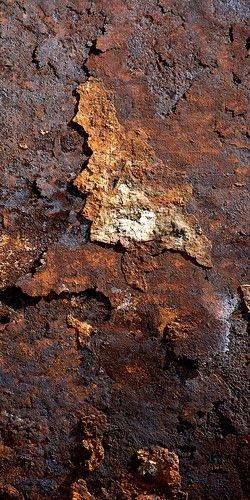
(124,203)
(123,366)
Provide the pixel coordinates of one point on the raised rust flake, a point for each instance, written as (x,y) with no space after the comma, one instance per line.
(125,203)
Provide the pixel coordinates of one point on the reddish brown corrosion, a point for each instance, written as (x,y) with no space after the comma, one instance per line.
(124,202)
(123,287)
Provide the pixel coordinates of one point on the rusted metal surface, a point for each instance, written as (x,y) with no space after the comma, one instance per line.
(123,284)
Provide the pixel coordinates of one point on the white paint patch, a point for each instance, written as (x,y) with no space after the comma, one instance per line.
(138,230)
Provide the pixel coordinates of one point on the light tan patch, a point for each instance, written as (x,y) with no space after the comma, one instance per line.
(83,329)
(123,202)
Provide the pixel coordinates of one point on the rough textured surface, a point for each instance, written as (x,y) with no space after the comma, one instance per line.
(123,215)
(125,201)
(161,465)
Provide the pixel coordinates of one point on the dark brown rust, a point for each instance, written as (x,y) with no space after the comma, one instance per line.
(123,284)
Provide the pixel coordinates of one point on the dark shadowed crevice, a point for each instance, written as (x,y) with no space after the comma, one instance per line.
(15,298)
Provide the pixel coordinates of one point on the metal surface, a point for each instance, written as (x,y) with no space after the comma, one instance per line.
(123,284)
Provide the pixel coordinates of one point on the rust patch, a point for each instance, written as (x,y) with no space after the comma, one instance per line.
(82,328)
(82,268)
(79,491)
(245,290)
(126,202)
(16,253)
(160,465)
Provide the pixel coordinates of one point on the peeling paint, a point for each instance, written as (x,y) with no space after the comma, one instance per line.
(122,203)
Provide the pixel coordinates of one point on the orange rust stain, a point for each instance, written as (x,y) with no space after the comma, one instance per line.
(126,202)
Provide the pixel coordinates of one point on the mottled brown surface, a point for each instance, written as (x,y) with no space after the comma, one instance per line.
(123,249)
